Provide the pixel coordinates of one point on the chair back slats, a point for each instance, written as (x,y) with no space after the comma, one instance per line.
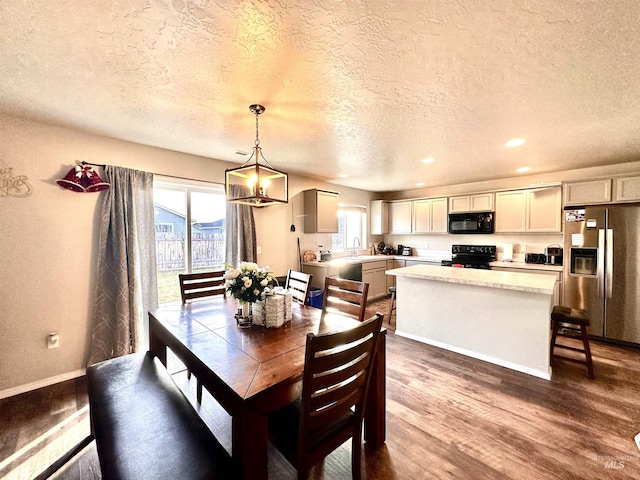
(347,297)
(336,376)
(341,358)
(201,285)
(298,284)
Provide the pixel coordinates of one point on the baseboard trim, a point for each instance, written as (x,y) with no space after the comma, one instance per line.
(45,382)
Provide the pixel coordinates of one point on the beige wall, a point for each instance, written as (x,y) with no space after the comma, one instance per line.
(48,240)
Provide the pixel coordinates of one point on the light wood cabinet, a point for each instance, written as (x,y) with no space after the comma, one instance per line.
(320,272)
(587,193)
(511,211)
(626,189)
(429,215)
(479,202)
(379,217)
(400,216)
(321,211)
(391,279)
(374,274)
(536,210)
(544,210)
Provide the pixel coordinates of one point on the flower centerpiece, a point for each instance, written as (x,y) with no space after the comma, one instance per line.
(248,283)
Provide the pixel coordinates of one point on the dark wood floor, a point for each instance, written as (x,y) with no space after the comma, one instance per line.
(448,416)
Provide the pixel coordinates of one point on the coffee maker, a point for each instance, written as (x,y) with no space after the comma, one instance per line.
(554,255)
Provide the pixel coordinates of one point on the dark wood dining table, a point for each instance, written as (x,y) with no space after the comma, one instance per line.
(255,371)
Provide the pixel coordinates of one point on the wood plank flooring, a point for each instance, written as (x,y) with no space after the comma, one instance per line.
(448,416)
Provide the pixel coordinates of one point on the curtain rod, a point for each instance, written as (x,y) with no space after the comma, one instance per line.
(102,165)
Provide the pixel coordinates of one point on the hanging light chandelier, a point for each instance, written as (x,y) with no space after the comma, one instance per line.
(256,184)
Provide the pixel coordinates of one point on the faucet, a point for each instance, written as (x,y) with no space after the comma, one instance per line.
(354,245)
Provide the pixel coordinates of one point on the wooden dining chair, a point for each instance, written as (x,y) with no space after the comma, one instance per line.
(337,373)
(299,284)
(200,285)
(345,297)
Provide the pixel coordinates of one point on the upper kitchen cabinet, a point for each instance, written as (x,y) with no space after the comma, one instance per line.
(429,215)
(535,210)
(320,211)
(587,193)
(400,216)
(379,213)
(626,189)
(479,202)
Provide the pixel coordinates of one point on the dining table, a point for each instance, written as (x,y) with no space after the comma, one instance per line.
(252,372)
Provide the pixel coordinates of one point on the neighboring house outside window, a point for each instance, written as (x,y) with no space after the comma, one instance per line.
(187,250)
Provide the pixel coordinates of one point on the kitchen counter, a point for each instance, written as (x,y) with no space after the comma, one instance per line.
(524,282)
(527,266)
(434,258)
(496,316)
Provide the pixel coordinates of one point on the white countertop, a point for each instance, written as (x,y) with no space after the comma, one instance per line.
(525,282)
(436,257)
(527,266)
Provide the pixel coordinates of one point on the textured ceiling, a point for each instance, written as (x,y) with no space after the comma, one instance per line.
(363,88)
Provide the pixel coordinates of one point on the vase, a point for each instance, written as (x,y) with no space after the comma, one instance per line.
(243,317)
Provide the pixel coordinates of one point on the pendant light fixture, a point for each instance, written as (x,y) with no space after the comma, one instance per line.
(256,184)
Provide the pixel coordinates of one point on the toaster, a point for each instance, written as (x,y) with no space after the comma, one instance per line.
(539,258)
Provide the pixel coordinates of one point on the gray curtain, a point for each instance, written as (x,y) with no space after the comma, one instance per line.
(126,286)
(240,229)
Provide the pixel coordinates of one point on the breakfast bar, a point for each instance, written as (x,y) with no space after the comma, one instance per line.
(495,316)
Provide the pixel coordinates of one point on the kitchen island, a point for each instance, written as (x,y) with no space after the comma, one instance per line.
(498,317)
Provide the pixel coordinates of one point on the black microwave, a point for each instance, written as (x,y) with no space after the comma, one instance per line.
(472,222)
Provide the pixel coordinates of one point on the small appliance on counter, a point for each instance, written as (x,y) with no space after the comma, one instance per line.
(537,258)
(325,256)
(404,250)
(554,255)
(384,249)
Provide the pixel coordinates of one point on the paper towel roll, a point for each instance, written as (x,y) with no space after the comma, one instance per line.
(507,252)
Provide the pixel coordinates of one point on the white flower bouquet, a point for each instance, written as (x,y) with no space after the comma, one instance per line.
(248,282)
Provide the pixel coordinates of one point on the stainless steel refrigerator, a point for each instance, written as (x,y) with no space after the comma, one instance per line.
(602,268)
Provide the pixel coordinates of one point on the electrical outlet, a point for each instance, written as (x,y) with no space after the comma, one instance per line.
(426,246)
(259,249)
(53,340)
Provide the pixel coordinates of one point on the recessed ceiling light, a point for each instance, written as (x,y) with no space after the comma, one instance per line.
(428,160)
(523,169)
(343,175)
(421,184)
(515,142)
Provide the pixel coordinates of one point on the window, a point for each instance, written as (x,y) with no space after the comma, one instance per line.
(352,224)
(187,250)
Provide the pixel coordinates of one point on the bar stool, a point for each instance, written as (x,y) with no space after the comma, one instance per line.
(392,306)
(575,317)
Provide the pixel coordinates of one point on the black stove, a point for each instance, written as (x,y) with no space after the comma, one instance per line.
(471,256)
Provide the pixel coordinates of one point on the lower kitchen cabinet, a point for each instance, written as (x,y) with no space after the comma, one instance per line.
(320,272)
(374,274)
